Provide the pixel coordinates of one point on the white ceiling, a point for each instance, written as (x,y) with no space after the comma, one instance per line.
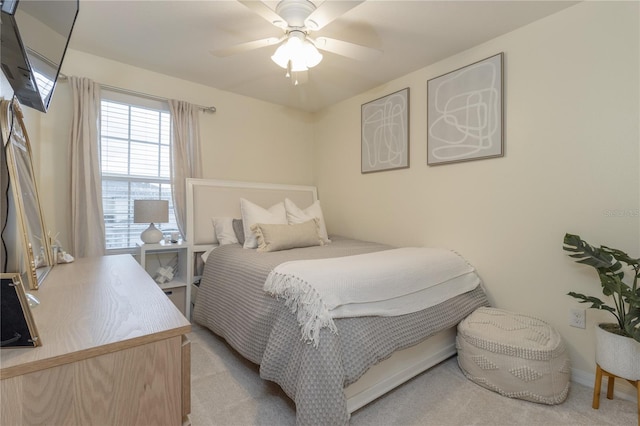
(175,38)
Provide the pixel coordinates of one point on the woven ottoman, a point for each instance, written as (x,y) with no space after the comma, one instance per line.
(515,355)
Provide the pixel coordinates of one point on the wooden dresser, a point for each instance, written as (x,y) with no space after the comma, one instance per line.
(114,351)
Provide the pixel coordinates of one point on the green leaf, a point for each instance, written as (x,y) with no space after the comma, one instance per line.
(612,284)
(587,254)
(632,323)
(595,302)
(621,256)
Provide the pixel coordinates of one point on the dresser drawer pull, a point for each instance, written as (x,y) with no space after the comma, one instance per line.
(168,292)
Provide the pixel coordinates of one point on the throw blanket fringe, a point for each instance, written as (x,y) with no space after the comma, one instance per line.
(304,301)
(387,283)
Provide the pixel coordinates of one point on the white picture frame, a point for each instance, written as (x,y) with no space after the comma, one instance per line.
(465,113)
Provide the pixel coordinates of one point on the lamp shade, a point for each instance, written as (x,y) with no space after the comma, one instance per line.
(151,211)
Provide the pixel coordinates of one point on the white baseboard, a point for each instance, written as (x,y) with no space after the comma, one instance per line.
(622,389)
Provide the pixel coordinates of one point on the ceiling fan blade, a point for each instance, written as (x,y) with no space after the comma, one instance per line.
(245,47)
(266,12)
(327,12)
(344,48)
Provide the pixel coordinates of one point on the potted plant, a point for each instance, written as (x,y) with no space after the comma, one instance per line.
(617,344)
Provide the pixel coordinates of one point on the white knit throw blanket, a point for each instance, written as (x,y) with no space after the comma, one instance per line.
(384,283)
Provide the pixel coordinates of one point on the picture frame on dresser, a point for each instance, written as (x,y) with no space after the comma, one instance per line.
(16,321)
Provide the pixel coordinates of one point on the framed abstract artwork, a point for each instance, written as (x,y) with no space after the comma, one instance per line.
(465,113)
(385,133)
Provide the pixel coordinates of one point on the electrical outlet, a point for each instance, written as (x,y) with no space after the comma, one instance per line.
(577,317)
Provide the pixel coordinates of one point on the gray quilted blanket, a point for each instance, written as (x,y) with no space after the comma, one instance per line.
(232,303)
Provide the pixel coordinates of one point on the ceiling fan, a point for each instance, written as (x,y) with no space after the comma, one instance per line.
(298,51)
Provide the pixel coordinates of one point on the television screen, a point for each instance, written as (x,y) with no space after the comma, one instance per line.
(35,35)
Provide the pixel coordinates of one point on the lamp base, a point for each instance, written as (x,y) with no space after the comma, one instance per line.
(151,235)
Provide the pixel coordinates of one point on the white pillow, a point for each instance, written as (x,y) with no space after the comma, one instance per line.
(253,213)
(296,215)
(223,227)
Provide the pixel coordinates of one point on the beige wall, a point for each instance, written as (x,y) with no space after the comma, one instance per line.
(572,154)
(246,139)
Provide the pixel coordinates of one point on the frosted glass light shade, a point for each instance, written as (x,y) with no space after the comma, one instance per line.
(298,65)
(281,56)
(311,54)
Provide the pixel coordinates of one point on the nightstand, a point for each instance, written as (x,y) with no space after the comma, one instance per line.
(172,256)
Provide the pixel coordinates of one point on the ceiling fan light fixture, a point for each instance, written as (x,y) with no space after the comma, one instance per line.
(297,52)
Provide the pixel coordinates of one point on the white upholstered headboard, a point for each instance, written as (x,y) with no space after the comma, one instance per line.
(208,198)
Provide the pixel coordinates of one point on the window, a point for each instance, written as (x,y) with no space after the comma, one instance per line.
(135,156)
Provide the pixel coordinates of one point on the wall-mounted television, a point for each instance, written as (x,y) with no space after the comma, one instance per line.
(34,37)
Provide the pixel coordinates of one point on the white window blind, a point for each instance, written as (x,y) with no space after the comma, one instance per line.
(135,156)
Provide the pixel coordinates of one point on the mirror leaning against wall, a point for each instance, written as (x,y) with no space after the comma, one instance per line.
(35,256)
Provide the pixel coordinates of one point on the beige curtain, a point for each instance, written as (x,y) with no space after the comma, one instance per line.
(186,159)
(87,219)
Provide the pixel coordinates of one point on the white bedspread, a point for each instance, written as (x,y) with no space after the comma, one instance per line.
(385,283)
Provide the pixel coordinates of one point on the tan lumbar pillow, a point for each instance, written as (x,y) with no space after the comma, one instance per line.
(274,237)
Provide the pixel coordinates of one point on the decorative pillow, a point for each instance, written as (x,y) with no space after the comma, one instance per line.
(296,215)
(284,237)
(253,213)
(238,230)
(224,230)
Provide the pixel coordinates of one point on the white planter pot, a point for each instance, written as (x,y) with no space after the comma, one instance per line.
(617,354)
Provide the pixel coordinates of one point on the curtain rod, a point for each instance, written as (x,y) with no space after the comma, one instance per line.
(210,109)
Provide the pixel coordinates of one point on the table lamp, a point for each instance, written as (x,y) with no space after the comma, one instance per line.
(151,211)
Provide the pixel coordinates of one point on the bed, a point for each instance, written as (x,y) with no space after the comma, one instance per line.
(367,357)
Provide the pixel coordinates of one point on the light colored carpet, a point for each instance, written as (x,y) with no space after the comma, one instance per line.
(227,390)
